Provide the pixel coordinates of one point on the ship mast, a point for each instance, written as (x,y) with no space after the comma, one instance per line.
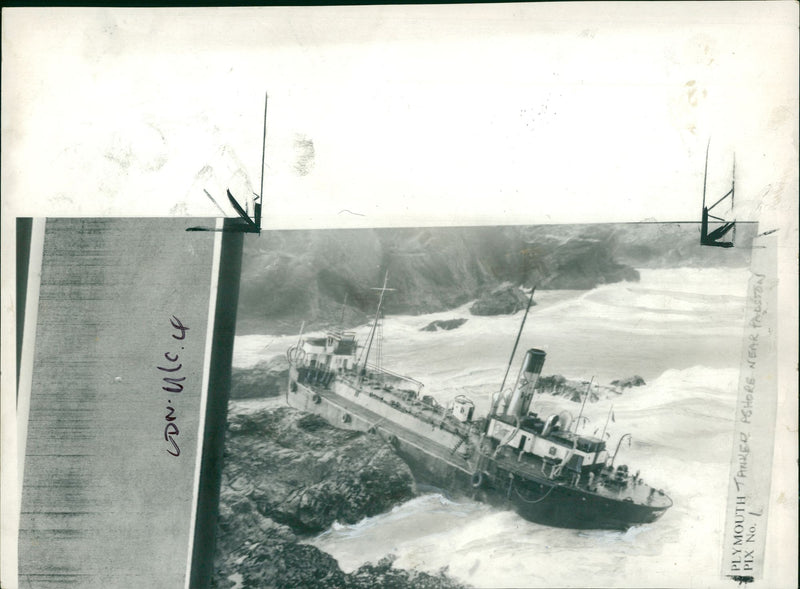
(257,203)
(586,396)
(513,351)
(374,328)
(338,329)
(341,319)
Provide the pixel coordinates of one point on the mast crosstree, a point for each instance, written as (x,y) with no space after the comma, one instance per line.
(714,237)
(375,325)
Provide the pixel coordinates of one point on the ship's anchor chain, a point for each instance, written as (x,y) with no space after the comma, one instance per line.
(516,490)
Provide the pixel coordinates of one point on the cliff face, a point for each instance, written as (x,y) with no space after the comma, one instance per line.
(676,245)
(294,276)
(505,300)
(288,474)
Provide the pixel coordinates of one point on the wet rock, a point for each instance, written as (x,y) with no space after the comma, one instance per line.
(631,381)
(444,324)
(266,379)
(304,473)
(504,300)
(583,262)
(288,474)
(383,574)
(551,383)
(573,390)
(254,551)
(254,561)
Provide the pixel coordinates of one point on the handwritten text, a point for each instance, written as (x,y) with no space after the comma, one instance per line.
(174,386)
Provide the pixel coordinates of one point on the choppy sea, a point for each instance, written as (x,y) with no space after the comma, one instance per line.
(680,329)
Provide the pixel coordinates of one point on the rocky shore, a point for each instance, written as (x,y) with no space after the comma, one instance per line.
(574,390)
(268,378)
(289,475)
(504,300)
(444,324)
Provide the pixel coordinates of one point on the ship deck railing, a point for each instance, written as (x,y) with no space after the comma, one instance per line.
(381,423)
(632,488)
(427,413)
(436,417)
(380,370)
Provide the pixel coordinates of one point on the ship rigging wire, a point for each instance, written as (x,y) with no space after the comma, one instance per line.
(542,498)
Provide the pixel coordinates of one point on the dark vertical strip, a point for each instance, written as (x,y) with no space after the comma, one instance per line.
(24,229)
(230,266)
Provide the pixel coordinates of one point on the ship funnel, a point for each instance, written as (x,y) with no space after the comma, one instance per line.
(526,381)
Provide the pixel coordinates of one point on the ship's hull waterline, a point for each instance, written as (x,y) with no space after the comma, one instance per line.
(429,453)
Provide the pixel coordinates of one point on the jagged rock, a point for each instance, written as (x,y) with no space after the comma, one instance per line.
(253,550)
(551,383)
(288,474)
(255,562)
(383,574)
(505,300)
(444,324)
(302,472)
(631,381)
(585,261)
(266,379)
(573,390)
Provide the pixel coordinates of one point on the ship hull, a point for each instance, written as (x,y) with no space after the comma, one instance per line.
(432,461)
(541,502)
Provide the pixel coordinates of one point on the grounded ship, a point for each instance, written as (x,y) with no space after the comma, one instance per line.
(510,458)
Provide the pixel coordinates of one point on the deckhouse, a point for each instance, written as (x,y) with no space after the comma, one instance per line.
(513,425)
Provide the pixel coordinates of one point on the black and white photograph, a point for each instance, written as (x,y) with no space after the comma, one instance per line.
(602,437)
(436,296)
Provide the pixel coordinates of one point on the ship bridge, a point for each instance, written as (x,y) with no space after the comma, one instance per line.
(548,441)
(336,343)
(321,358)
